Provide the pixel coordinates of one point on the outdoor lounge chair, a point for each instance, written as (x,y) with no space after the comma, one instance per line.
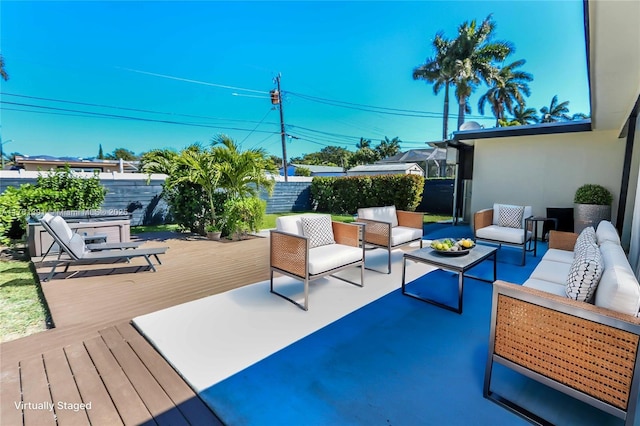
(389,228)
(310,246)
(504,224)
(78,252)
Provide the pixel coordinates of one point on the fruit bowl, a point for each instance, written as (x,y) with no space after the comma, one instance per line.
(452,247)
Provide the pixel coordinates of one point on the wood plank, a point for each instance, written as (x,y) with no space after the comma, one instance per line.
(187,401)
(127,401)
(38,408)
(151,393)
(69,407)
(91,387)
(10,395)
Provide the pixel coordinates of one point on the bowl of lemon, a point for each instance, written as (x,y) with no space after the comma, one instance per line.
(451,247)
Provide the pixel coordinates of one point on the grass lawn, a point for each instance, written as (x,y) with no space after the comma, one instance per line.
(21,311)
(270,219)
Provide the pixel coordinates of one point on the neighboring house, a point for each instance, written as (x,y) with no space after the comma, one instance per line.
(433,160)
(47,162)
(386,169)
(318,170)
(543,165)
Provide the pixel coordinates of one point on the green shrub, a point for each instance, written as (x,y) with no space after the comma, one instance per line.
(243,215)
(593,194)
(347,194)
(302,171)
(58,190)
(189,205)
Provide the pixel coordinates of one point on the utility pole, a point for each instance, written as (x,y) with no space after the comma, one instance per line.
(276,99)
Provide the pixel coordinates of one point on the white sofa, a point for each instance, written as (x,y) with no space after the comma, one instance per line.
(389,228)
(310,246)
(562,332)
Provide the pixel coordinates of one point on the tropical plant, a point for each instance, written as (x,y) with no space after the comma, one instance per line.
(555,111)
(363,143)
(524,115)
(438,71)
(241,173)
(243,215)
(388,148)
(121,153)
(159,161)
(472,55)
(302,171)
(507,90)
(3,72)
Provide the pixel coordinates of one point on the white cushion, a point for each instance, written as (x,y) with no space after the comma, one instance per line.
(403,234)
(555,272)
(607,232)
(60,227)
(584,274)
(292,224)
(496,212)
(325,258)
(382,214)
(318,229)
(77,245)
(618,289)
(499,233)
(555,255)
(510,217)
(548,286)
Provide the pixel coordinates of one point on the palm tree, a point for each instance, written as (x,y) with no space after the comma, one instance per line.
(555,112)
(241,174)
(3,71)
(524,115)
(474,54)
(388,148)
(364,143)
(438,71)
(159,161)
(508,89)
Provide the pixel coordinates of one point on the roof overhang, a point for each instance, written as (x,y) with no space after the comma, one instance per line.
(535,129)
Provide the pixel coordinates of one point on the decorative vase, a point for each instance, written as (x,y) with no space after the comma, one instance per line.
(214,235)
(585,215)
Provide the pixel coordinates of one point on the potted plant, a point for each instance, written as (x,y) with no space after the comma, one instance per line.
(592,204)
(214,231)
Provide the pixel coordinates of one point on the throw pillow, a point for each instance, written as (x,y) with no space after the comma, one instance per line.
(318,229)
(586,238)
(584,274)
(510,217)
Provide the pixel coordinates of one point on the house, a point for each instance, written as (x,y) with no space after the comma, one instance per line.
(543,165)
(433,160)
(47,162)
(317,170)
(386,169)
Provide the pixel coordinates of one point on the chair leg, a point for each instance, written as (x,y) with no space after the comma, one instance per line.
(524,254)
(153,268)
(389,261)
(52,273)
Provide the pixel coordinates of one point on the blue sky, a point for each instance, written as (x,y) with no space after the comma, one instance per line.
(110,58)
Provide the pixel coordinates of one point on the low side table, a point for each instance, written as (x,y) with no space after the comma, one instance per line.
(535,220)
(459,264)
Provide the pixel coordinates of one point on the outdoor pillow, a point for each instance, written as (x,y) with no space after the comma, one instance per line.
(585,273)
(586,238)
(383,214)
(607,232)
(510,217)
(61,228)
(77,245)
(318,229)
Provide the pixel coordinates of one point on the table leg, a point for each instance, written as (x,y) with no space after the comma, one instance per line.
(460,290)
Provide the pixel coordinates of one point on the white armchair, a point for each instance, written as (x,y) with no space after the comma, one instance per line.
(310,246)
(504,224)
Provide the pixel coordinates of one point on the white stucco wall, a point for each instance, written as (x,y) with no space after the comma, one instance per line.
(545,170)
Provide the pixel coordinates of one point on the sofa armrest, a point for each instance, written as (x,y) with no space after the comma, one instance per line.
(562,240)
(347,234)
(482,219)
(410,219)
(289,252)
(377,232)
(571,343)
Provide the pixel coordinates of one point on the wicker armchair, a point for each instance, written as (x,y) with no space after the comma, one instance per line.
(582,350)
(389,228)
(487,228)
(291,255)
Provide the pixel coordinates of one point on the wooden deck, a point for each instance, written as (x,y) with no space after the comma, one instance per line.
(94,354)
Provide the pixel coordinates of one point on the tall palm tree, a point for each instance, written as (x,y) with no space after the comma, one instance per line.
(508,89)
(555,111)
(3,71)
(438,71)
(241,173)
(388,148)
(363,143)
(474,53)
(524,115)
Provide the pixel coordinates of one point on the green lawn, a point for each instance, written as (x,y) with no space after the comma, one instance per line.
(269,221)
(21,311)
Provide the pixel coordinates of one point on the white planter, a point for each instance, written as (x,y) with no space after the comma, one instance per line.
(585,215)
